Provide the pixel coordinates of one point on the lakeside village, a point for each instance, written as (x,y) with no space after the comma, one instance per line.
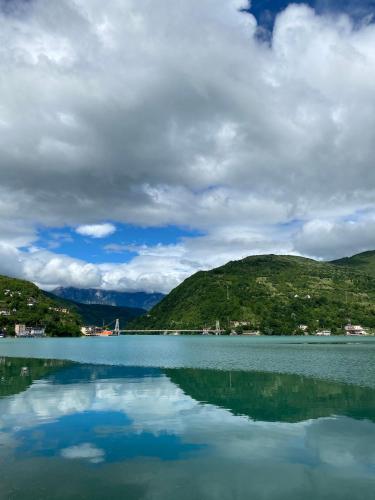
(237,328)
(243,328)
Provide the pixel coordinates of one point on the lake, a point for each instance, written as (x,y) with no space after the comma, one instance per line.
(187,417)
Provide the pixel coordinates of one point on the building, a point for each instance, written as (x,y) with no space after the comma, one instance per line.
(355,330)
(29,331)
(90,330)
(62,310)
(95,331)
(236,324)
(323,333)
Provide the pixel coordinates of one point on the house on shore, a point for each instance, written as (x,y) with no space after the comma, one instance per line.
(323,333)
(29,331)
(356,330)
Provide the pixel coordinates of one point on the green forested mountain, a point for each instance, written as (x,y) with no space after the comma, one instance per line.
(272,293)
(23,302)
(364,262)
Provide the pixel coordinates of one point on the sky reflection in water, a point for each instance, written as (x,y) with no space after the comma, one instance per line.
(87,431)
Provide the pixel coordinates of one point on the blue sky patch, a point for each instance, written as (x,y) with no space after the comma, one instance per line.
(118,247)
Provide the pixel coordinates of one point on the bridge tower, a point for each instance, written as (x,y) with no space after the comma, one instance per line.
(116,331)
(217,329)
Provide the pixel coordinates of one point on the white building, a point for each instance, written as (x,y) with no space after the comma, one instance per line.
(29,331)
(323,333)
(355,330)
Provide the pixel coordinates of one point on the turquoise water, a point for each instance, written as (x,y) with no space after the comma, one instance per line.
(179,418)
(342,359)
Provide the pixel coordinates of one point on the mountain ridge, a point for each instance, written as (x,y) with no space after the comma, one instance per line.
(271,293)
(101,314)
(140,300)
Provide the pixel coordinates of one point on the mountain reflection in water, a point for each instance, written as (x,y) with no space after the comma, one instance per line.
(89,431)
(272,397)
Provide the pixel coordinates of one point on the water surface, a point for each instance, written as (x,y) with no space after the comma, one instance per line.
(345,359)
(277,420)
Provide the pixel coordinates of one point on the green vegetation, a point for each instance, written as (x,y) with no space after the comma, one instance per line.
(23,302)
(273,294)
(364,262)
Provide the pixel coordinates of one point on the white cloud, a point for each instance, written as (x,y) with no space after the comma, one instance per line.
(113,111)
(96,230)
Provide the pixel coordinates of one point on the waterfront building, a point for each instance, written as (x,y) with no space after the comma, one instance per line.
(355,330)
(323,333)
(29,331)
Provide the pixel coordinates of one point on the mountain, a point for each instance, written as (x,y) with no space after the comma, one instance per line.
(272,293)
(98,314)
(141,300)
(23,302)
(364,262)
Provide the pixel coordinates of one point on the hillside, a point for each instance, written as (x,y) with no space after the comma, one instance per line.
(98,314)
(23,302)
(139,300)
(364,262)
(272,293)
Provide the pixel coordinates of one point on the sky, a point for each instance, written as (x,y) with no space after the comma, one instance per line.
(143,141)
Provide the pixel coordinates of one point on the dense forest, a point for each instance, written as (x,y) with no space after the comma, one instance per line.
(273,294)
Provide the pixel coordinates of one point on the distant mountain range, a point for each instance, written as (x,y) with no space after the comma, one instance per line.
(274,294)
(23,302)
(139,300)
(100,314)
(271,293)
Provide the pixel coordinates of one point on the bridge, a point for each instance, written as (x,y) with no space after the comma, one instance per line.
(202,331)
(166,330)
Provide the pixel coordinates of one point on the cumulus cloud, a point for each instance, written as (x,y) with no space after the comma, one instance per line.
(113,109)
(96,230)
